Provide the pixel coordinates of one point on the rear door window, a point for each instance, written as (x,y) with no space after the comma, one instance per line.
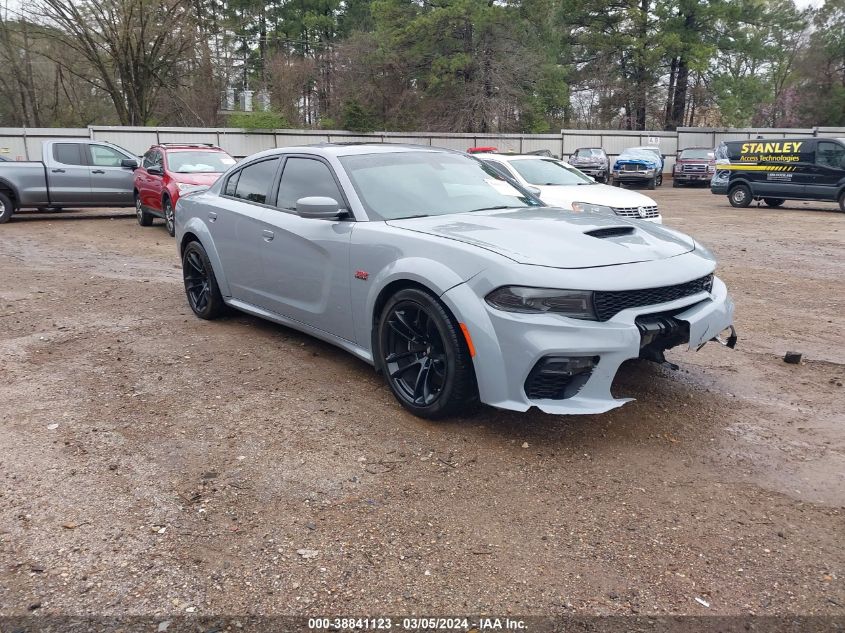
(830,155)
(68,154)
(253,182)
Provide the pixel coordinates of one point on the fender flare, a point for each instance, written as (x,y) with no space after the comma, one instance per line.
(199,231)
(16,199)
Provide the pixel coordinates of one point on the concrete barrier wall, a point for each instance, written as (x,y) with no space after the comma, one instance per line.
(25,143)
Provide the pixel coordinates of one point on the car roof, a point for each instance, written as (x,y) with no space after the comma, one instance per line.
(189,146)
(510,157)
(352,149)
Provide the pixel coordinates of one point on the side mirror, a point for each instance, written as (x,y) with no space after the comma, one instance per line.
(534,191)
(129,163)
(155,170)
(318,208)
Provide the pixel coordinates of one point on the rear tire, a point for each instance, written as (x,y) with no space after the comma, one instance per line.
(200,283)
(7,208)
(424,357)
(169,218)
(774,202)
(740,196)
(144,218)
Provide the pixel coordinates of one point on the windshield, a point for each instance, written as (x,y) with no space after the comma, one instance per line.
(547,171)
(641,154)
(192,162)
(588,153)
(396,185)
(702,154)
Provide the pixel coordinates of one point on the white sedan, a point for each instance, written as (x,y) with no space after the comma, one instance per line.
(561,185)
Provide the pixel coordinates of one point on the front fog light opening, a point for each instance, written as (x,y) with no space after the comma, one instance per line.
(559,377)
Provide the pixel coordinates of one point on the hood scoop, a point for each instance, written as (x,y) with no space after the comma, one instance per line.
(610,231)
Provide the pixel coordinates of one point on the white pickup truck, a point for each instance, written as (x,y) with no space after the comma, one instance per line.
(73,173)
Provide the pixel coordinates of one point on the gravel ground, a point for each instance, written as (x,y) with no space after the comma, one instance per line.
(154,463)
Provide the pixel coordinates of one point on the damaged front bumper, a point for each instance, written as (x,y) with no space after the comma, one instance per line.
(566,366)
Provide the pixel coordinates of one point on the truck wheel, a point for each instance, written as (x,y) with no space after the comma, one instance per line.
(675,183)
(144,218)
(842,202)
(660,180)
(169,219)
(740,196)
(652,183)
(774,202)
(6,208)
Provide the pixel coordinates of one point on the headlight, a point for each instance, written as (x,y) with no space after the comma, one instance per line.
(589,207)
(650,170)
(577,304)
(184,187)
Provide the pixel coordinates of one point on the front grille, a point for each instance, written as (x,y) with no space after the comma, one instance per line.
(608,304)
(633,167)
(634,212)
(700,169)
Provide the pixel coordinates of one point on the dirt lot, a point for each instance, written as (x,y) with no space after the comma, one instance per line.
(153,463)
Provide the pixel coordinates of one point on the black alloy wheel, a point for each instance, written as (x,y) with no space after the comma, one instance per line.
(200,284)
(424,356)
(144,218)
(169,218)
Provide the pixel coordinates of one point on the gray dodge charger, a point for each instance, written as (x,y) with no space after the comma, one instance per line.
(458,285)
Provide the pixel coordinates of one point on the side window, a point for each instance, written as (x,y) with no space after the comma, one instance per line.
(305,177)
(830,155)
(151,158)
(102,156)
(254,181)
(232,184)
(68,154)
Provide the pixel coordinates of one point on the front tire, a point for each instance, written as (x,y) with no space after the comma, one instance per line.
(169,218)
(200,283)
(144,218)
(774,202)
(652,183)
(660,180)
(740,196)
(842,202)
(7,208)
(675,184)
(424,357)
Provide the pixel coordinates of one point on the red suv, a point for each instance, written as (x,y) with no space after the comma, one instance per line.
(170,169)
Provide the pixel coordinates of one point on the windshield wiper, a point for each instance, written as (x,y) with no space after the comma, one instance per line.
(410,217)
(501,206)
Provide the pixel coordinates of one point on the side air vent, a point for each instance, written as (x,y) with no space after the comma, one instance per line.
(612,231)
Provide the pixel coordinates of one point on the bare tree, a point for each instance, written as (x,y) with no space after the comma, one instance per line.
(133,47)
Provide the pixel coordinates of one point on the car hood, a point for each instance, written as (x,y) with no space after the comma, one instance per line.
(636,161)
(565,195)
(554,237)
(199,178)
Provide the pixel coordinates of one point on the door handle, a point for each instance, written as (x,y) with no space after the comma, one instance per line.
(268,235)
(58,171)
(212,216)
(97,171)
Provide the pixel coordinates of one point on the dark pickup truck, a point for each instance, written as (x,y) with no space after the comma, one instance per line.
(74,173)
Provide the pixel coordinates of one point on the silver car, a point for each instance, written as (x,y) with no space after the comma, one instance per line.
(456,284)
